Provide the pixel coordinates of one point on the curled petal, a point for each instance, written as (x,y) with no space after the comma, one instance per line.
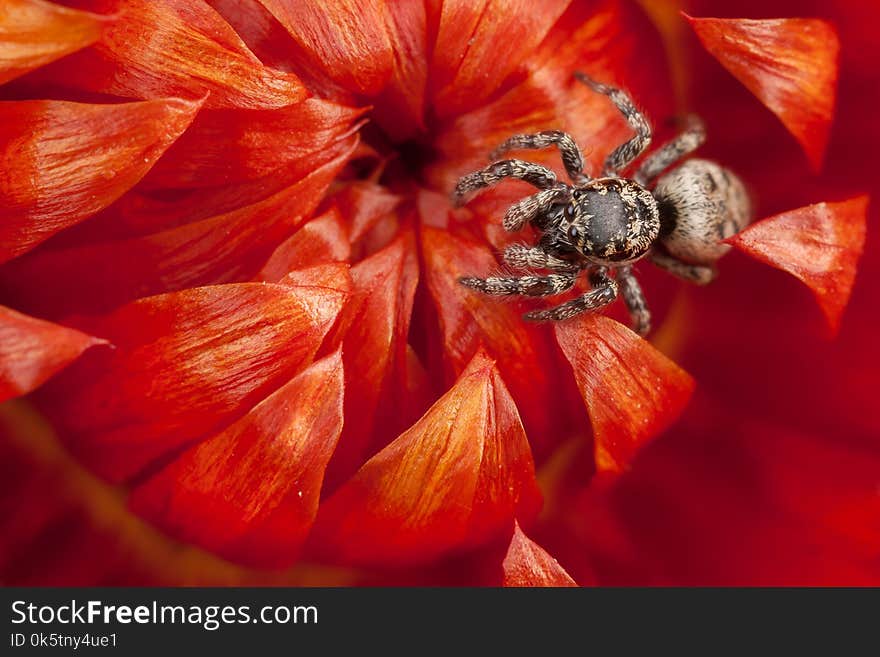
(347,40)
(61,162)
(480,44)
(363,204)
(176,48)
(819,244)
(632,391)
(321,240)
(790,64)
(32,350)
(528,564)
(251,492)
(34,33)
(185,364)
(455,479)
(227,247)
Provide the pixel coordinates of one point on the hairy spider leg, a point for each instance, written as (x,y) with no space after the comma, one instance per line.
(572,158)
(531,207)
(699,274)
(634,298)
(534,174)
(520,256)
(688,141)
(604,292)
(529,286)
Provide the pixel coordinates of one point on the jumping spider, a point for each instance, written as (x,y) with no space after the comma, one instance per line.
(604,225)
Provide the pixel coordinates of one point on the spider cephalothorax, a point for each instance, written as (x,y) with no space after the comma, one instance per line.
(603,225)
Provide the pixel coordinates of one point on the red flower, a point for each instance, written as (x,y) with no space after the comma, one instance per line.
(241,354)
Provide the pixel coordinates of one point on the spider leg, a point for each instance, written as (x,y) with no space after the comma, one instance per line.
(634,299)
(524,211)
(534,174)
(603,293)
(622,156)
(572,158)
(519,256)
(692,138)
(699,274)
(530,286)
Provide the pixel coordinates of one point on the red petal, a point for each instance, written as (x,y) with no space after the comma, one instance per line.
(790,64)
(528,564)
(227,247)
(632,391)
(185,364)
(230,146)
(480,44)
(32,351)
(344,39)
(375,325)
(175,48)
(819,244)
(34,33)
(251,492)
(470,321)
(321,240)
(457,478)
(62,162)
(362,204)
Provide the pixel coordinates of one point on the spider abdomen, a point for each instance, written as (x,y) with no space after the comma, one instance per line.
(701,203)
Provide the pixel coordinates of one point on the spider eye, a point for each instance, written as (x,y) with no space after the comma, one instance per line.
(573,233)
(569,212)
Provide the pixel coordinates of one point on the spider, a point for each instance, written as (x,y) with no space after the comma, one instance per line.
(604,225)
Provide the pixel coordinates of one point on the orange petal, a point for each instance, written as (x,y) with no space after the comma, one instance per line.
(185,364)
(227,247)
(32,351)
(250,493)
(34,33)
(819,244)
(480,44)
(632,391)
(344,39)
(470,321)
(175,48)
(528,564)
(457,478)
(790,64)
(61,162)
(374,328)
(321,240)
(362,204)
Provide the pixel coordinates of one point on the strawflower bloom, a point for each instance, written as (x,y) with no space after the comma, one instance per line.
(233,347)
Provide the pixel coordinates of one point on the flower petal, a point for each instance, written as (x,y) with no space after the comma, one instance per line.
(819,244)
(251,492)
(470,321)
(362,204)
(175,48)
(346,40)
(34,33)
(227,247)
(632,391)
(528,564)
(61,162)
(185,364)
(480,44)
(32,351)
(457,478)
(374,328)
(790,64)
(321,240)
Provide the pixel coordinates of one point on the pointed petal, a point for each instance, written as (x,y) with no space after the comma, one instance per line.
(457,478)
(480,44)
(528,564)
(470,321)
(185,364)
(34,33)
(321,240)
(819,244)
(61,162)
(32,351)
(346,40)
(176,48)
(632,391)
(227,247)
(362,204)
(790,64)
(251,492)
(224,147)
(374,328)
